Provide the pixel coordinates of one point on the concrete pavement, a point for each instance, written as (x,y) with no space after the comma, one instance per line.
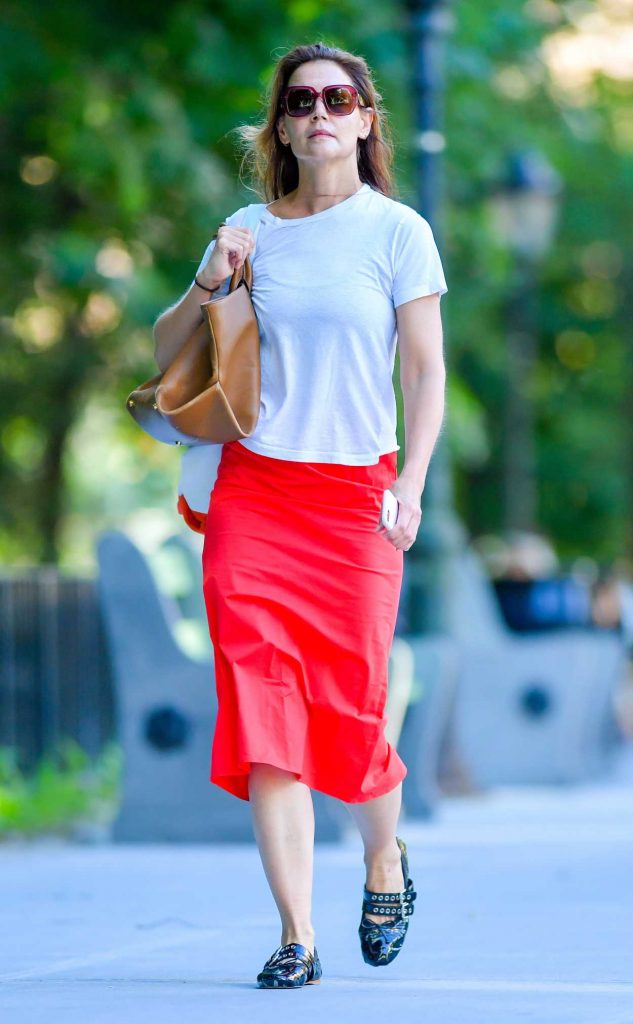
(524,913)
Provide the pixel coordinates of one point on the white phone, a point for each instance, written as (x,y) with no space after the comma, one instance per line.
(389,510)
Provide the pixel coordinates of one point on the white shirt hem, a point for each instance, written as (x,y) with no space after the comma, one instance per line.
(418,292)
(342,458)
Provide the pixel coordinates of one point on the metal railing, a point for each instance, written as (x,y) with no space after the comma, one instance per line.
(55,678)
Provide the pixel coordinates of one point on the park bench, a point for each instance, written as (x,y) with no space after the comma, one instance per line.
(530,708)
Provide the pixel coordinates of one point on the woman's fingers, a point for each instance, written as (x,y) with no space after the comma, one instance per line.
(402,535)
(237,243)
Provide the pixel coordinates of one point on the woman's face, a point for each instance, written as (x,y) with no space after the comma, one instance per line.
(343,130)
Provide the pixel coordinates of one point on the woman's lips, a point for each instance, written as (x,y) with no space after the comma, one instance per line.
(313,134)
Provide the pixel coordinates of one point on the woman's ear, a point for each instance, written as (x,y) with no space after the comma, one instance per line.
(367,115)
(281,131)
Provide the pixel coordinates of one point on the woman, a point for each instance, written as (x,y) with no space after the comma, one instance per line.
(301,582)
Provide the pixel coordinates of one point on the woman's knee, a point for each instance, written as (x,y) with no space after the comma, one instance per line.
(262,769)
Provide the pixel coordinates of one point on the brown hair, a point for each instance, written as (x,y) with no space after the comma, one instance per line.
(273,167)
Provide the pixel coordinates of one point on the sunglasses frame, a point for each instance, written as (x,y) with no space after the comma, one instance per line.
(358,101)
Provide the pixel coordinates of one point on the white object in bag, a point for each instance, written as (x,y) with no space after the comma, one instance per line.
(198,473)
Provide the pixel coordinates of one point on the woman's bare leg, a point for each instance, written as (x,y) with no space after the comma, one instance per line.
(377,821)
(283,823)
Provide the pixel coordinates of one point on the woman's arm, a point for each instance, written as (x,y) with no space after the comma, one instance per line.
(174,326)
(423,380)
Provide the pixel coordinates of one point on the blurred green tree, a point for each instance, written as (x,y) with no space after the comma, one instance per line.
(118,162)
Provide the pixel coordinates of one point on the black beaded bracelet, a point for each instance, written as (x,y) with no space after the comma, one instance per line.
(204,287)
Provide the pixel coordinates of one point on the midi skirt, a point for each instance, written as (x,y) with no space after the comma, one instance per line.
(301,595)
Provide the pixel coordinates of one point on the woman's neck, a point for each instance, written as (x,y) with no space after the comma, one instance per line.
(311,198)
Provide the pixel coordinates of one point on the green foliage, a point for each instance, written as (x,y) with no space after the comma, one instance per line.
(504,95)
(119,161)
(66,789)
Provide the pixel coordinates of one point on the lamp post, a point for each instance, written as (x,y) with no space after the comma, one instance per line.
(431,557)
(524,210)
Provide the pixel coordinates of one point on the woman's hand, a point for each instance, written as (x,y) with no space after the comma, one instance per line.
(405,529)
(231,248)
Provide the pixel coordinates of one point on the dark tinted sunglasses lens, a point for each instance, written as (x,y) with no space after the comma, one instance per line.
(339,100)
(299,101)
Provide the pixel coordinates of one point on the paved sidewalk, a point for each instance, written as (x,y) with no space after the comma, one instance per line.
(524,913)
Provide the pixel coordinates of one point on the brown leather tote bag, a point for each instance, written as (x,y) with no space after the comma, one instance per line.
(211,390)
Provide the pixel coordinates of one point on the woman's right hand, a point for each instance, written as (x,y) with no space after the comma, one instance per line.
(231,248)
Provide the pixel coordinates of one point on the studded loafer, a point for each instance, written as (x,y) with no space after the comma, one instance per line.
(290,966)
(381,941)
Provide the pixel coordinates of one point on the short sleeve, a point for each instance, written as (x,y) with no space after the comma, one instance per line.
(234,218)
(416,261)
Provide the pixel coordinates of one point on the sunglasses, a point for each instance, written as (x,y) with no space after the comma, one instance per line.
(300,100)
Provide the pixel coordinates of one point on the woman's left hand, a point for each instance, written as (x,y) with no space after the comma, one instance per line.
(405,529)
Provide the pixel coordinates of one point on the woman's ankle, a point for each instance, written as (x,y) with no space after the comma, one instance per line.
(304,936)
(383,859)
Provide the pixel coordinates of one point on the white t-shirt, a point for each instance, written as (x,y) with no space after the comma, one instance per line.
(325,289)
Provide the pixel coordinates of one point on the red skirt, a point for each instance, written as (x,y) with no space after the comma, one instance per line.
(301,596)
